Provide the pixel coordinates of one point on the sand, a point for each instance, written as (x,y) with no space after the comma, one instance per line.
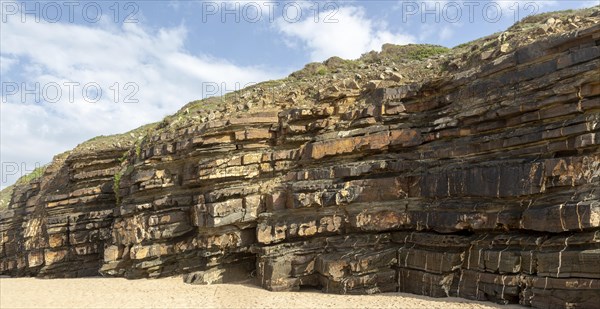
(173,293)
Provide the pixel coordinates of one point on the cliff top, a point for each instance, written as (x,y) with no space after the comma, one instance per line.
(394,65)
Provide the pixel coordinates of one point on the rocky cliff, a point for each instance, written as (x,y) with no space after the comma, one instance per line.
(472,172)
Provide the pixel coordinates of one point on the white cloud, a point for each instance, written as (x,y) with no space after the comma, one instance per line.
(6,63)
(446,33)
(166,74)
(174,4)
(350,34)
(431,32)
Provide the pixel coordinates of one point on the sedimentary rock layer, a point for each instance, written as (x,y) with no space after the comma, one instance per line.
(58,224)
(481,183)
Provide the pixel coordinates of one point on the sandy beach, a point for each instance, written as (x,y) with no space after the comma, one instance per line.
(173,293)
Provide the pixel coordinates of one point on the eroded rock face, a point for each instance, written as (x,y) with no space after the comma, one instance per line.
(482,184)
(57,225)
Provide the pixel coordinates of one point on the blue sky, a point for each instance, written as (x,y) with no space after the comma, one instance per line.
(73,70)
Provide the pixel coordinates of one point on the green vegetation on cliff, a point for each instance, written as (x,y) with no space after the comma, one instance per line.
(6,193)
(5,196)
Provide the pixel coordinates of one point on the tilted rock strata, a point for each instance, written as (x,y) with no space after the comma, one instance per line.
(507,154)
(481,184)
(58,224)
